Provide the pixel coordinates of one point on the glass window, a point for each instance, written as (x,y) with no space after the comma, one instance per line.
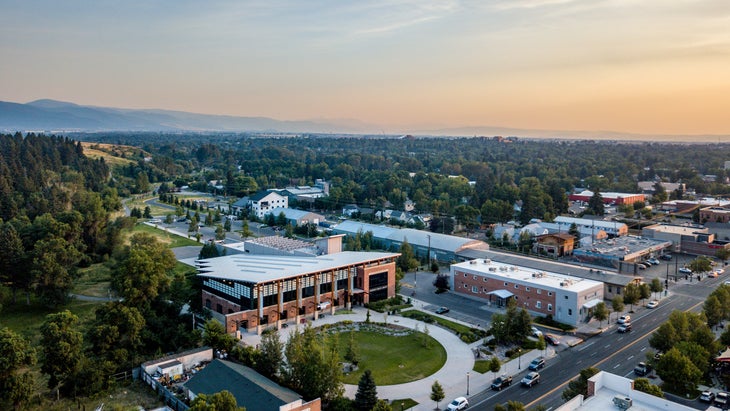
(474,289)
(570,311)
(550,307)
(538,304)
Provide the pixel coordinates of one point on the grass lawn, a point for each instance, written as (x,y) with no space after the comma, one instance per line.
(394,359)
(402,404)
(481,366)
(172,240)
(460,329)
(94,281)
(26,320)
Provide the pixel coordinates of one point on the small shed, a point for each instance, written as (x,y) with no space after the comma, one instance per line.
(171,368)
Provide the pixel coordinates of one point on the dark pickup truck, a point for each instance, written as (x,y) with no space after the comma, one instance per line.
(501,382)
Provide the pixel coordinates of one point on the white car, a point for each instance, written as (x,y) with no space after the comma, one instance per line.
(685,270)
(624,319)
(459,403)
(535,332)
(531,379)
(652,304)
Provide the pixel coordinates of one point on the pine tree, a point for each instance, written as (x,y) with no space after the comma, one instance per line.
(367,392)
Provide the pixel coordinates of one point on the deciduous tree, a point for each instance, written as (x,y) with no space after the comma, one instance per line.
(62,346)
(272,354)
(600,313)
(644,385)
(220,401)
(16,382)
(143,272)
(437,392)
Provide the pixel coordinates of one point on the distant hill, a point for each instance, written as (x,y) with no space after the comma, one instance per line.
(59,116)
(52,115)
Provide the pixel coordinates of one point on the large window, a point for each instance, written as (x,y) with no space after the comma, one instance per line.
(378,280)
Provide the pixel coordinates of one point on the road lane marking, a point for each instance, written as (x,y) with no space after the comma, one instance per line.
(538,399)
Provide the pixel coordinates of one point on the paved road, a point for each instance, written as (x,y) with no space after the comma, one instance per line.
(610,351)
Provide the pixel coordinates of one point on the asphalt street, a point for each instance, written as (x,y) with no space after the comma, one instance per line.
(609,351)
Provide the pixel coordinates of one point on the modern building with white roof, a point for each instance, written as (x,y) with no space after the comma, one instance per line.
(612,228)
(610,392)
(442,247)
(566,298)
(252,291)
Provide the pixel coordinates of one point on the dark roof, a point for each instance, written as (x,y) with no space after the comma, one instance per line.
(261,194)
(251,389)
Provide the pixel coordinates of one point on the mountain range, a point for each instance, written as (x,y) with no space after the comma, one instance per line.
(58,116)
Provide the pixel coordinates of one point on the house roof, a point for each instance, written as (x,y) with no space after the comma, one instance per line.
(263,194)
(251,389)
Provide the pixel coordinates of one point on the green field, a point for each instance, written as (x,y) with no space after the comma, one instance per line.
(171,240)
(394,359)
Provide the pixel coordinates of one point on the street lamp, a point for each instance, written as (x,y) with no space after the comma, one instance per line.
(467,383)
(519,358)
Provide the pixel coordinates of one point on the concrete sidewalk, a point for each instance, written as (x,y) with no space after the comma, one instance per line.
(452,376)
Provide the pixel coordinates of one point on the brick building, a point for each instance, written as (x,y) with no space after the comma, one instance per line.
(568,299)
(609,198)
(248,292)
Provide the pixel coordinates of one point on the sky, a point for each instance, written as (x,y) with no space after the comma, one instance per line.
(636,66)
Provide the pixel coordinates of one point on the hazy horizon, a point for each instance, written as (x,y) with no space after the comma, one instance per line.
(627,66)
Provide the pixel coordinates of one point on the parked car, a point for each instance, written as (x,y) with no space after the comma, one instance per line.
(442,310)
(707,396)
(624,328)
(652,304)
(459,403)
(722,399)
(666,257)
(537,363)
(530,379)
(713,274)
(552,339)
(653,261)
(642,369)
(502,381)
(535,332)
(641,266)
(685,270)
(624,319)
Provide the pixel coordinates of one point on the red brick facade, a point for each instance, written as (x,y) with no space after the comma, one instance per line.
(530,297)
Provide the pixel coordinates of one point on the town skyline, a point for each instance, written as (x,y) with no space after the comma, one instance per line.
(641,67)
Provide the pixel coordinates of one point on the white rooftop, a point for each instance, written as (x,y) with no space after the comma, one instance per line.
(588,222)
(265,268)
(527,275)
(676,229)
(608,386)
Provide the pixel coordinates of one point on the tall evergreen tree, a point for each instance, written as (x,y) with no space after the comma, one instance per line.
(367,392)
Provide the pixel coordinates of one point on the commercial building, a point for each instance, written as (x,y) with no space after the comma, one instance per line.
(612,228)
(622,253)
(609,198)
(201,371)
(248,292)
(714,215)
(608,391)
(690,239)
(442,247)
(566,298)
